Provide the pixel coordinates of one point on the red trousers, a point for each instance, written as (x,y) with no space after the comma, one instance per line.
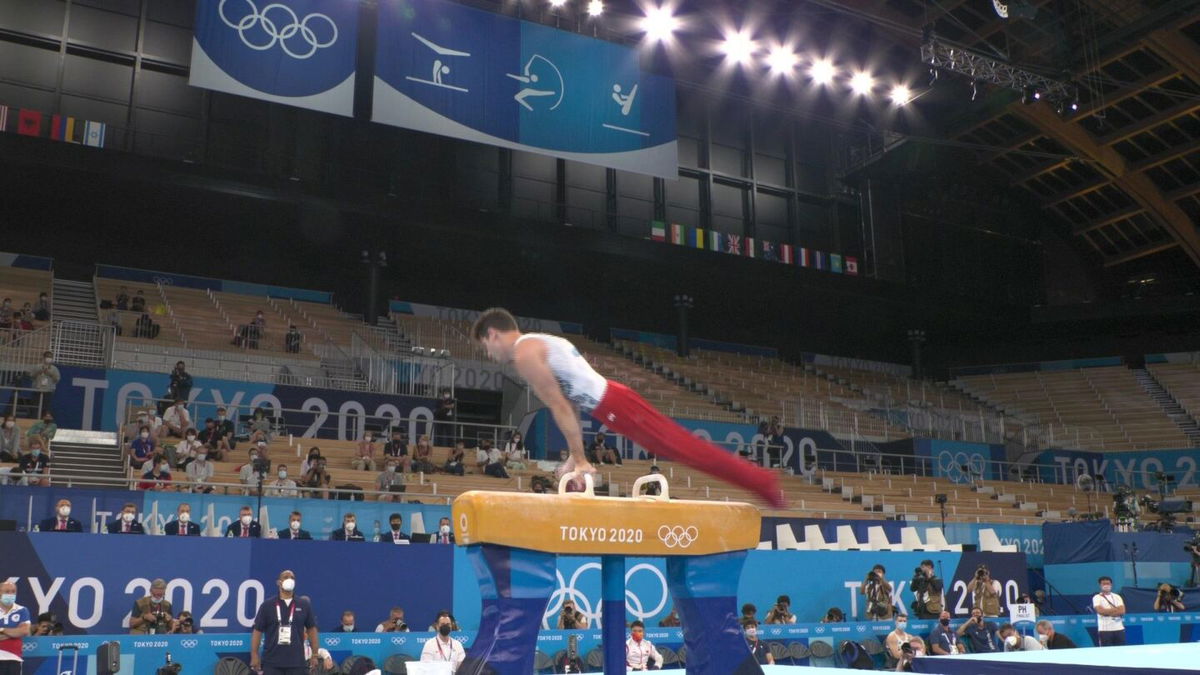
(625,412)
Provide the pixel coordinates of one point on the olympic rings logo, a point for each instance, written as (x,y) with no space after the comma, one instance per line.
(583,605)
(29,646)
(281,27)
(398,641)
(677,536)
(189,644)
(332,641)
(951,465)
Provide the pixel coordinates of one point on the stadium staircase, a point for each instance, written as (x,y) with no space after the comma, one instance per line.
(74,300)
(1169,405)
(87,458)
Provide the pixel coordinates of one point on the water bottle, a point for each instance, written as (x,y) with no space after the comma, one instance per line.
(168,658)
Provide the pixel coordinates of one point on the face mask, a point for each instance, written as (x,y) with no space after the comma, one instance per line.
(1011,640)
(395,527)
(391,468)
(253,457)
(127,517)
(185,517)
(751,632)
(145,434)
(282,473)
(369,439)
(155,600)
(8,599)
(35,451)
(64,511)
(48,360)
(191,437)
(445,529)
(901,625)
(444,629)
(288,585)
(350,525)
(221,418)
(295,525)
(201,458)
(163,468)
(918,652)
(637,637)
(945,622)
(349,628)
(1043,638)
(1106,589)
(246,520)
(8,424)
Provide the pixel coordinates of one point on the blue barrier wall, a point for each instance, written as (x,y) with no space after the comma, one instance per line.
(31,262)
(203,283)
(1136,469)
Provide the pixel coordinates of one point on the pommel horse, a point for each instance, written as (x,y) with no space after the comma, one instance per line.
(513,541)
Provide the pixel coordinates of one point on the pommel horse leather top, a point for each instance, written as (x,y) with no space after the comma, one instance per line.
(580,523)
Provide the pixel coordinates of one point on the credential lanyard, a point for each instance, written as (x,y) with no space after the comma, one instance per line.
(291,616)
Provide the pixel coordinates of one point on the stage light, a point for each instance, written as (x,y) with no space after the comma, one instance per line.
(659,24)
(900,95)
(595,8)
(821,71)
(557,3)
(862,83)
(738,47)
(782,60)
(1030,95)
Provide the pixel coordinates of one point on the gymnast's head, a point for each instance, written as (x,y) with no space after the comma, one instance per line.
(496,330)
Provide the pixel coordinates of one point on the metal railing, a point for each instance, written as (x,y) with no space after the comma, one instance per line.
(20,399)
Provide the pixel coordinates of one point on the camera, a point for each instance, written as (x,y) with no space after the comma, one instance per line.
(981,572)
(906,648)
(1171,593)
(872,576)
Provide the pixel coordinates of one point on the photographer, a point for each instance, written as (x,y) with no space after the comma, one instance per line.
(834,615)
(184,624)
(151,615)
(985,592)
(571,618)
(1193,547)
(781,612)
(1169,599)
(910,650)
(316,481)
(928,592)
(980,634)
(878,593)
(253,472)
(394,623)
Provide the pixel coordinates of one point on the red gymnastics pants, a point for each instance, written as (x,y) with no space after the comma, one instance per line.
(625,412)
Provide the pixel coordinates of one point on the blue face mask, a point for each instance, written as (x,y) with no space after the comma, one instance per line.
(36,451)
(8,599)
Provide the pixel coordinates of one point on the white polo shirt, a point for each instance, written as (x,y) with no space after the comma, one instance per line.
(1108,601)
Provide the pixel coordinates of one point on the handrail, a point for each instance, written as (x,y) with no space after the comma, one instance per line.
(162,293)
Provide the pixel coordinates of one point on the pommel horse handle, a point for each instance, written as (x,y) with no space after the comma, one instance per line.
(589,483)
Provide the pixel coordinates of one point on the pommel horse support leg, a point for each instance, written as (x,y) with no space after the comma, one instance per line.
(513,541)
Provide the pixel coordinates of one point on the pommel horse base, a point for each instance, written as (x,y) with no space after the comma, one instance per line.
(513,541)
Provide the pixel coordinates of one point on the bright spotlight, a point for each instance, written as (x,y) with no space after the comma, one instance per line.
(900,94)
(595,8)
(862,83)
(738,47)
(659,24)
(557,3)
(821,72)
(782,60)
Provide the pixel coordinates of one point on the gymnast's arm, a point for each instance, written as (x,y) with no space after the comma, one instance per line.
(530,362)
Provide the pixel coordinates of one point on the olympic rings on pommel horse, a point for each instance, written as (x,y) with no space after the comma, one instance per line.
(513,541)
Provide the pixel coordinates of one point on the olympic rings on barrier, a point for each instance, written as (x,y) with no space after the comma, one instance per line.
(677,536)
(280,33)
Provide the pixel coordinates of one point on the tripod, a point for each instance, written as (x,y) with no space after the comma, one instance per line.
(1131,550)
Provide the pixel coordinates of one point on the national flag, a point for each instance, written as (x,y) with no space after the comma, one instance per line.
(658,230)
(835,263)
(851,266)
(785,254)
(750,252)
(818,260)
(805,258)
(29,123)
(698,240)
(716,242)
(676,233)
(768,251)
(62,128)
(93,134)
(733,244)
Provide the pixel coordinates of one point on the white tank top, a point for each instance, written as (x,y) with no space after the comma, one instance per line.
(582,385)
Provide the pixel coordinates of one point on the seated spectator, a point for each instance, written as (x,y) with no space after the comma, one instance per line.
(34,466)
(364,458)
(514,452)
(126,522)
(158,478)
(1051,638)
(895,640)
(316,480)
(495,461)
(250,475)
(210,437)
(390,481)
(601,451)
(749,611)
(654,489)
(23,320)
(348,531)
(122,301)
(43,429)
(144,327)
(980,635)
(781,612)
(282,486)
(62,520)
(1015,642)
(245,527)
(943,640)
(176,420)
(347,624)
(640,653)
(142,448)
(10,440)
(200,471)
(139,301)
(394,623)
(395,535)
(292,340)
(184,452)
(225,431)
(423,455)
(260,426)
(41,311)
(295,531)
(249,334)
(398,448)
(182,526)
(570,618)
(443,535)
(454,460)
(310,461)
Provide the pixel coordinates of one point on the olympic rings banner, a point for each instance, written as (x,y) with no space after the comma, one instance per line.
(959,461)
(452,70)
(296,52)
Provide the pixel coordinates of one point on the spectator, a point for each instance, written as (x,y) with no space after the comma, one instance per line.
(23,320)
(758,648)
(347,623)
(7,315)
(141,449)
(398,449)
(249,334)
(1169,599)
(602,452)
(210,437)
(454,460)
(45,625)
(514,452)
(1015,642)
(348,531)
(495,461)
(181,383)
(395,535)
(151,614)
(980,635)
(444,415)
(139,302)
(640,653)
(570,618)
(245,526)
(364,458)
(282,486)
(781,612)
(41,311)
(122,301)
(1051,638)
(62,520)
(944,640)
(671,620)
(423,455)
(314,453)
(834,615)
(985,592)
(45,379)
(295,529)
(394,623)
(292,340)
(260,426)
(878,593)
(225,431)
(144,327)
(1110,615)
(184,452)
(182,526)
(10,440)
(113,318)
(253,472)
(442,648)
(390,481)
(126,522)
(184,624)
(43,429)
(316,481)
(749,611)
(176,420)
(158,477)
(895,640)
(444,535)
(929,597)
(34,465)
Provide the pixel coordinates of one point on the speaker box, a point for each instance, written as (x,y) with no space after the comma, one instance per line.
(108,658)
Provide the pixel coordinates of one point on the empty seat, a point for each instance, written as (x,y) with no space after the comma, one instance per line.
(937,540)
(878,540)
(846,541)
(815,540)
(990,542)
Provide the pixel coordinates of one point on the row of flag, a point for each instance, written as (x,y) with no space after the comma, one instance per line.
(64,128)
(734,244)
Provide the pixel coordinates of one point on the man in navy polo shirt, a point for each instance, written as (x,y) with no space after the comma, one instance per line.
(286,621)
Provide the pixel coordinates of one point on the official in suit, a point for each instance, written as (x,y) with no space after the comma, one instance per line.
(294,530)
(182,526)
(245,526)
(127,522)
(444,535)
(394,535)
(62,522)
(348,531)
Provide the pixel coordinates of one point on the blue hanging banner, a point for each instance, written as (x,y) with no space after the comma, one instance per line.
(452,70)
